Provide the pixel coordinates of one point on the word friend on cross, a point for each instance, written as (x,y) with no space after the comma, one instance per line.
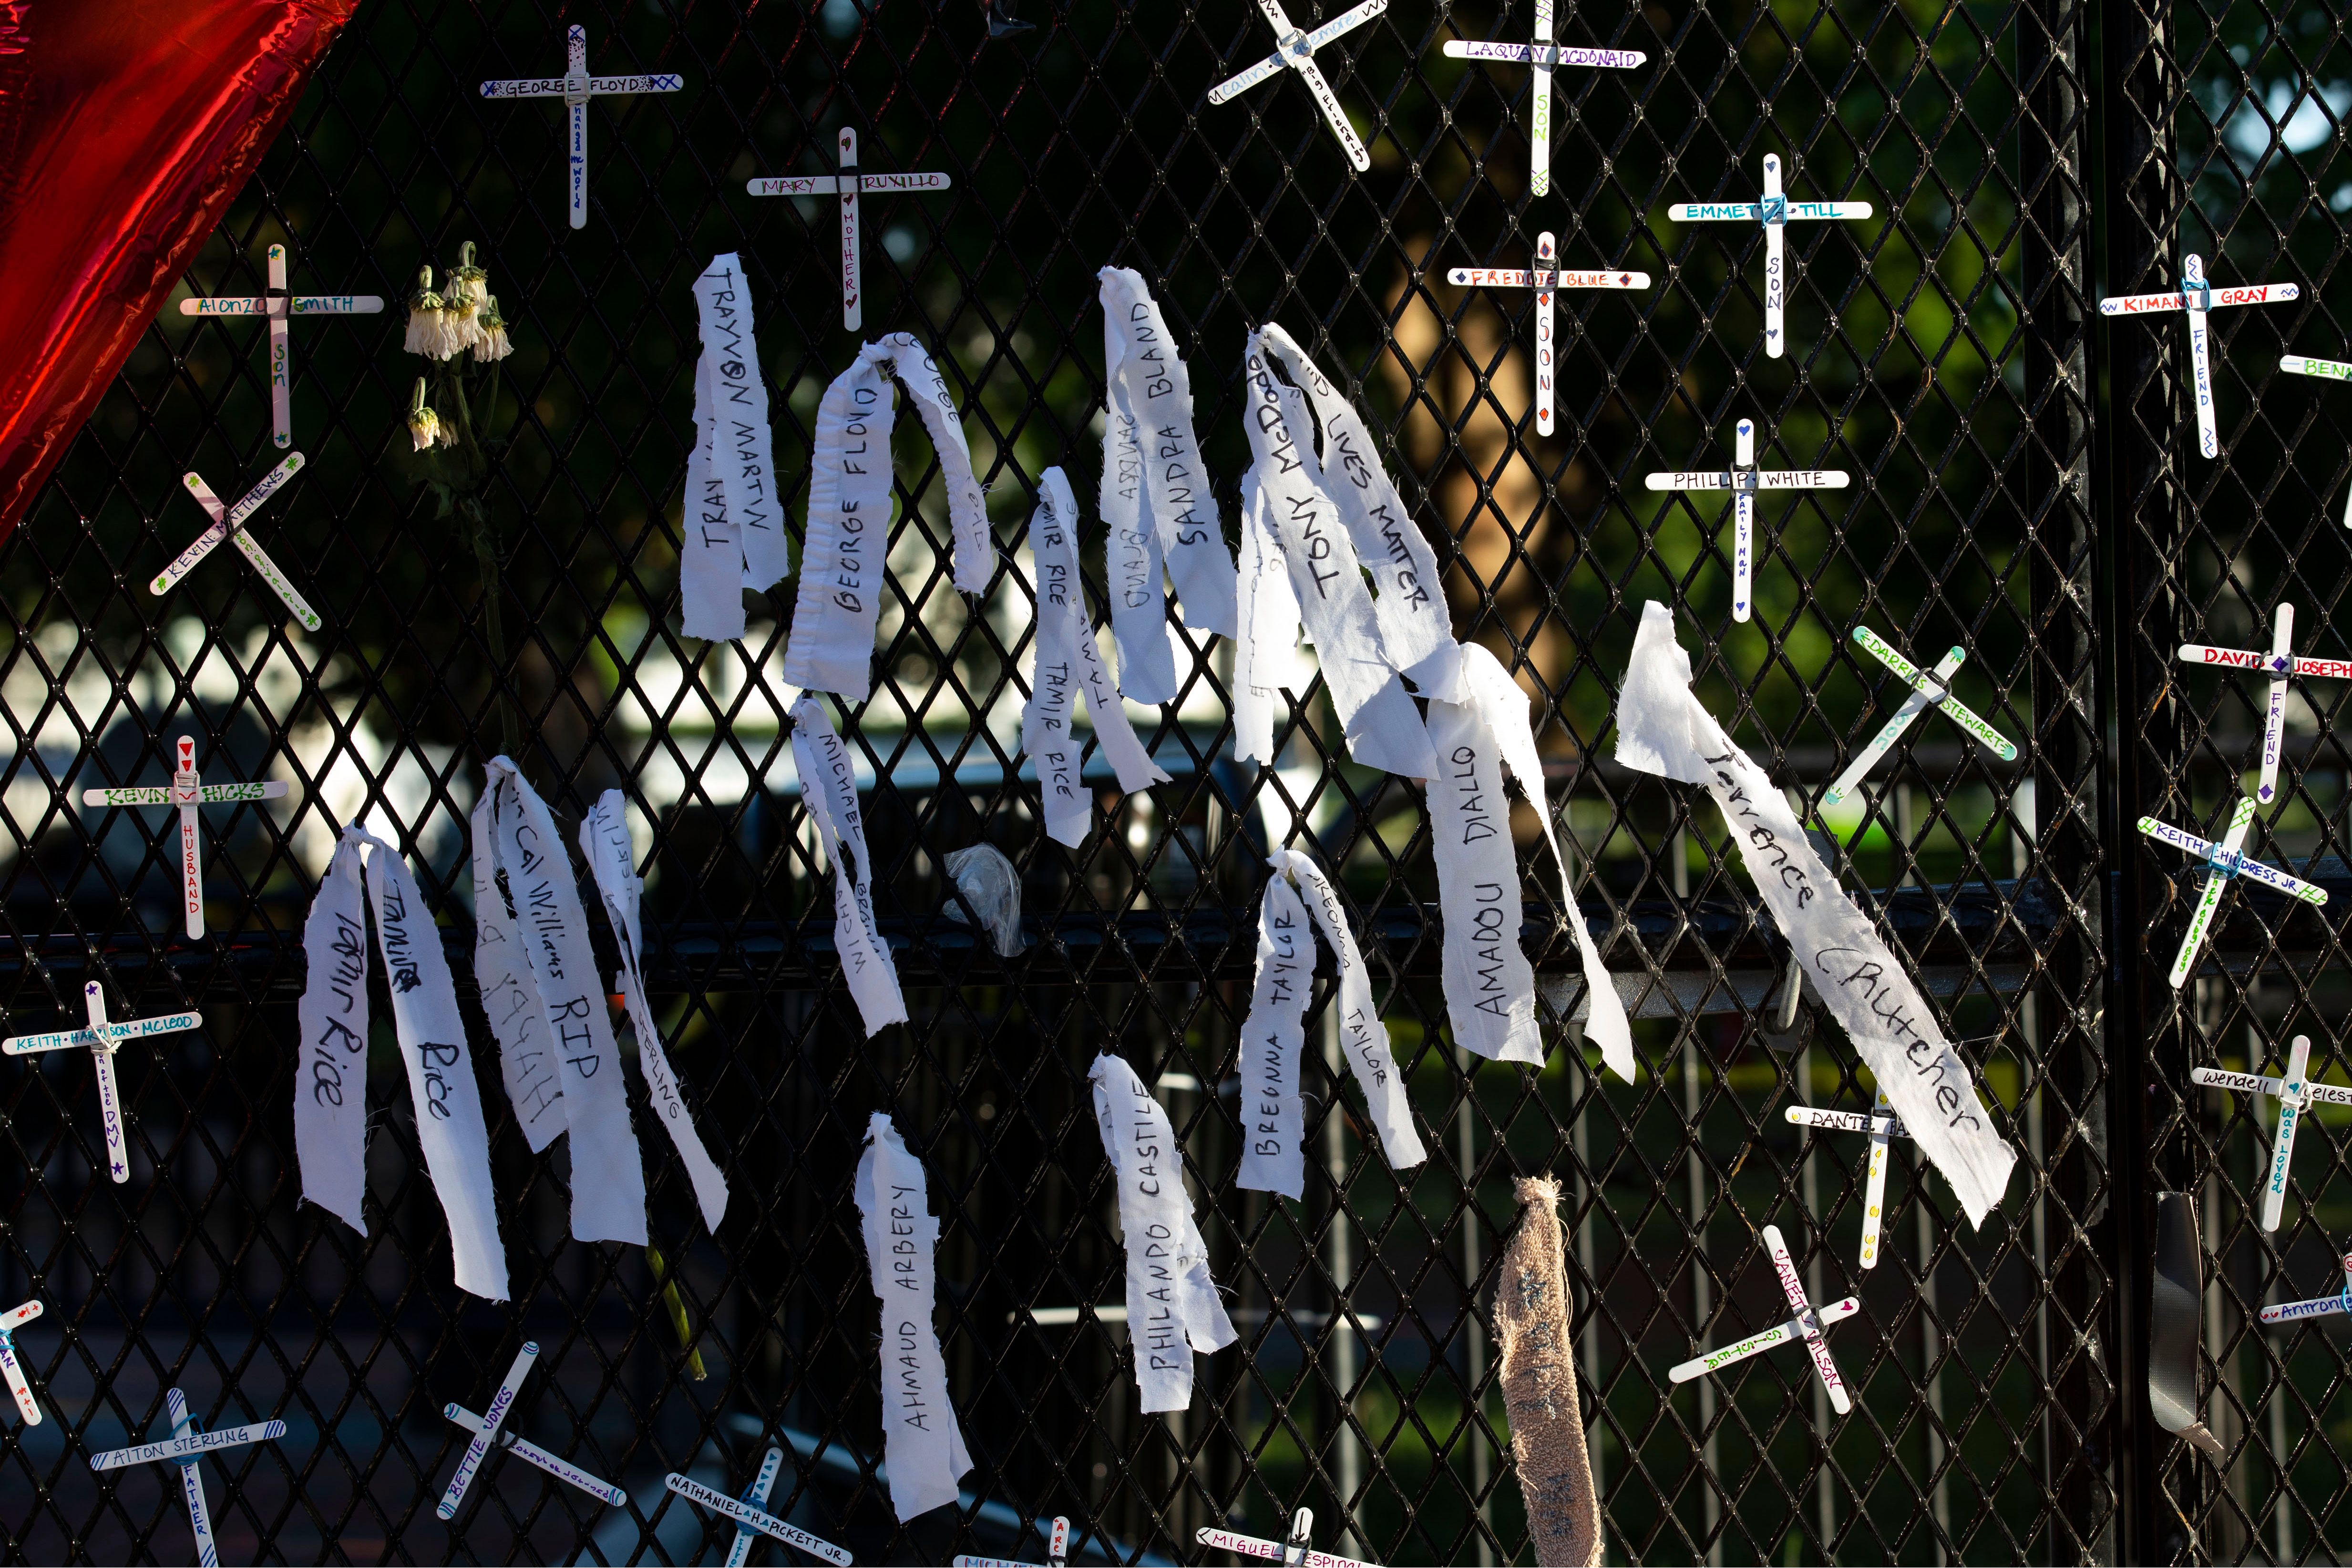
(189,1444)
(1546,56)
(2198,298)
(1807,1326)
(187,791)
(1932,687)
(2281,663)
(575,86)
(103,1039)
(1544,277)
(279,305)
(1295,49)
(1775,213)
(2228,860)
(228,523)
(847,185)
(1743,479)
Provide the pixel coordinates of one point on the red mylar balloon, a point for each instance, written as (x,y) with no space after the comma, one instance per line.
(125,128)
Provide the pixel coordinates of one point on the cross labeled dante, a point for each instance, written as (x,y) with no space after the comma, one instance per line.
(187,791)
(279,307)
(103,1039)
(846,186)
(1544,278)
(1544,56)
(1882,1125)
(1295,49)
(575,86)
(1743,479)
(2198,298)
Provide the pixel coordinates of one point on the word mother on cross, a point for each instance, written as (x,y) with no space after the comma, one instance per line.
(575,86)
(1296,49)
(847,185)
(187,791)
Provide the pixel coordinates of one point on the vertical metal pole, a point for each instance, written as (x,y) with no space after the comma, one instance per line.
(1809,1187)
(1701,1284)
(1339,1267)
(1474,1327)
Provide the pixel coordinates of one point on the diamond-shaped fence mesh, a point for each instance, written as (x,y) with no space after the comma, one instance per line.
(2024,489)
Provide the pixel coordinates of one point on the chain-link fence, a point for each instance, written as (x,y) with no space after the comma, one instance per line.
(2024,488)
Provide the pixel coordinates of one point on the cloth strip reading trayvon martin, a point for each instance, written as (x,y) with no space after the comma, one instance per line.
(1662,728)
(1172,1311)
(923,1443)
(733,529)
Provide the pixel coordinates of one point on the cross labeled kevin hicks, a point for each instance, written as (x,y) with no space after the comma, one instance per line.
(278,306)
(187,791)
(228,523)
(2228,860)
(847,185)
(1296,49)
(1743,479)
(2281,663)
(1776,213)
(2295,1094)
(103,1039)
(2198,298)
(188,1445)
(1807,1325)
(1932,687)
(575,86)
(1544,277)
(1546,56)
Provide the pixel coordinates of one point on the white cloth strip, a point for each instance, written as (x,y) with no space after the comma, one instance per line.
(922,1442)
(1273,1038)
(753,1518)
(710,546)
(1363,1038)
(1266,649)
(741,457)
(829,792)
(188,1447)
(1664,729)
(484,1428)
(1132,563)
(1543,277)
(1545,54)
(331,1080)
(526,1060)
(529,1453)
(1489,986)
(1272,1551)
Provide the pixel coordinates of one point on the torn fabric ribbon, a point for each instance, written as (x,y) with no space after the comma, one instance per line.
(1265,644)
(1414,628)
(1383,728)
(1489,984)
(605,840)
(1172,1311)
(846,547)
(514,832)
(829,791)
(330,1086)
(1069,662)
(923,1443)
(710,546)
(1662,728)
(527,1061)
(732,411)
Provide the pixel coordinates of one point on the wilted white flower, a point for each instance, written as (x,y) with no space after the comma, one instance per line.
(424,318)
(492,342)
(423,424)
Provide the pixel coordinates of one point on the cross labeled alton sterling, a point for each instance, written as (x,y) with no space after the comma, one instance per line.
(1295,49)
(189,1444)
(187,791)
(847,186)
(575,86)
(278,306)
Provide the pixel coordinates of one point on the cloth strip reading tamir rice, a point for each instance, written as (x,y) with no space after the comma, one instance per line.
(1662,728)
(829,791)
(922,1443)
(1536,1365)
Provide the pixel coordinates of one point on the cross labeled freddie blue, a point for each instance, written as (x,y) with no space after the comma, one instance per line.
(1544,277)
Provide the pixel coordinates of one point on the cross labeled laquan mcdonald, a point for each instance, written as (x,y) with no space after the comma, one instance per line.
(1776,213)
(847,186)
(11,1320)
(1544,56)
(575,86)
(187,791)
(278,306)
(1807,1325)
(2295,1094)
(187,1446)
(488,1435)
(1295,49)
(2281,663)
(103,1039)
(1931,687)
(1743,479)
(228,523)
(2198,298)
(2228,860)
(751,1517)
(1544,277)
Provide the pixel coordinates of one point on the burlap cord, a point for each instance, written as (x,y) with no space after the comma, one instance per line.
(1538,1371)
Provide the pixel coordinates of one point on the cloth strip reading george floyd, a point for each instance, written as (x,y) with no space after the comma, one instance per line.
(829,791)
(846,546)
(923,1443)
(1662,728)
(330,1082)
(1536,1366)
(1172,1311)
(733,527)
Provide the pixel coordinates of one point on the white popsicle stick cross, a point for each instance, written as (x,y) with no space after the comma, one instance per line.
(2296,1094)
(11,1320)
(187,791)
(2228,859)
(1931,687)
(1883,1125)
(1807,1325)
(488,1435)
(1544,278)
(1776,213)
(2333,370)
(1743,479)
(188,1445)
(2281,663)
(1057,1551)
(750,1518)
(279,305)
(1546,56)
(102,1039)
(1295,49)
(2292,1311)
(847,185)
(2199,297)
(228,523)
(575,86)
(1291,1553)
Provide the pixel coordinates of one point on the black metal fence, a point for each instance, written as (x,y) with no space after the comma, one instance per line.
(2025,487)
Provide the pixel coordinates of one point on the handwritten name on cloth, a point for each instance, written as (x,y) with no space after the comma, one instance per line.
(526,1058)
(612,859)
(330,1084)
(1265,645)
(846,546)
(710,570)
(1383,729)
(736,450)
(829,791)
(1662,728)
(514,833)
(1536,1363)
(1489,984)
(1414,628)
(1068,661)
(1173,1310)
(1160,508)
(1273,1038)
(923,1443)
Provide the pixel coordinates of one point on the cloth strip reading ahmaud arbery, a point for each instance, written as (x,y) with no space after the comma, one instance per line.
(1069,662)
(1266,641)
(733,527)
(1272,1036)
(1490,993)
(331,1082)
(923,1443)
(1155,495)
(1173,1309)
(1662,728)
(536,899)
(846,549)
(1382,728)
(829,791)
(1536,1366)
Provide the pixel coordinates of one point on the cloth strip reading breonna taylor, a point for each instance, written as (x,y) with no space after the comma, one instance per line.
(605,840)
(330,1083)
(1173,1309)
(745,547)
(847,547)
(829,791)
(1382,726)
(923,1443)
(1273,1122)
(1265,644)
(1536,1365)
(1070,661)
(1662,728)
(532,877)
(1490,994)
